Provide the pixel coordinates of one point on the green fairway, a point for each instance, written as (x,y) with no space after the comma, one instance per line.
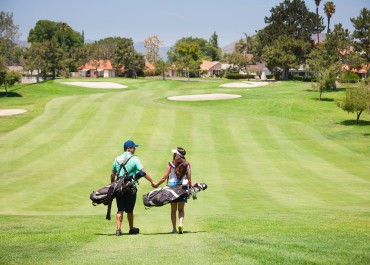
(288,175)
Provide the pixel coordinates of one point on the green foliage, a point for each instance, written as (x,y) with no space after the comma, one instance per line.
(9,78)
(285,53)
(186,54)
(292,19)
(327,78)
(10,53)
(212,49)
(329,9)
(350,76)
(362,33)
(357,100)
(238,61)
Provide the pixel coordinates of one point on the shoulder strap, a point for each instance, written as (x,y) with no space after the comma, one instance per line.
(123,164)
(171,166)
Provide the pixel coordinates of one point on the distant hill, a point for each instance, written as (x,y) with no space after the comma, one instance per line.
(229,48)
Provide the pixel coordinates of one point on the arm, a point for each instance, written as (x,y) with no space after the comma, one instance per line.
(166,174)
(112,175)
(148,177)
(188,174)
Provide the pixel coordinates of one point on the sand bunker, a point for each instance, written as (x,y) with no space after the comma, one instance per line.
(10,112)
(204,97)
(109,85)
(245,84)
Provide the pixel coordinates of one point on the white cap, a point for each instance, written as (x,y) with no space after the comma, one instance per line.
(177,152)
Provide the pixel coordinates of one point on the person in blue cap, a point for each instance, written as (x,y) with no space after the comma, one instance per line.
(126,202)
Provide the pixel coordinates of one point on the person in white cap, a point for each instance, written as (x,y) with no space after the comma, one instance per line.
(178,172)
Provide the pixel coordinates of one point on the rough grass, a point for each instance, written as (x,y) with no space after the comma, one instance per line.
(287,174)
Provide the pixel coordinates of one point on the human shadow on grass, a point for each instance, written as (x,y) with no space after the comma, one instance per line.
(170,233)
(353,123)
(150,234)
(9,94)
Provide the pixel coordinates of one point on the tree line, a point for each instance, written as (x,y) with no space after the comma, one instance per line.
(285,42)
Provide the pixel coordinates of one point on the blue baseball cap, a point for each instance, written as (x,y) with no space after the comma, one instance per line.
(128,144)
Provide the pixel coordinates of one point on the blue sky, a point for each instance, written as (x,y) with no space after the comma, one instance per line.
(169,19)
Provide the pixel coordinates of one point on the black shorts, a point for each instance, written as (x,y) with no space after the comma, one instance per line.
(126,202)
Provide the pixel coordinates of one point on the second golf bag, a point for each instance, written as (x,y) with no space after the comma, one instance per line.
(162,196)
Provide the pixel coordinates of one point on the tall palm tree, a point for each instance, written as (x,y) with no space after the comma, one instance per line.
(317,2)
(329,9)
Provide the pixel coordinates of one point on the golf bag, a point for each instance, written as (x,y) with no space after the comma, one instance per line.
(162,196)
(106,194)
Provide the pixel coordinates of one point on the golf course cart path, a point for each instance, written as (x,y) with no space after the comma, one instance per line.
(10,112)
(245,84)
(110,85)
(204,97)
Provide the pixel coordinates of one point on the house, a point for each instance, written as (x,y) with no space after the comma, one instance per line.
(95,68)
(149,66)
(27,76)
(209,68)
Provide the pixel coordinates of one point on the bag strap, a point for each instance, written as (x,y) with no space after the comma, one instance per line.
(123,165)
(171,166)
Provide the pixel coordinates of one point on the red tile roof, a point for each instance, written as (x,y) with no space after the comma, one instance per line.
(102,65)
(150,66)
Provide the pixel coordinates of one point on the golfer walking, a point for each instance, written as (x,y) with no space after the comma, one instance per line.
(126,202)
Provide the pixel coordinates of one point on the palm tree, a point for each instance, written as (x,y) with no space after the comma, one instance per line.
(329,9)
(317,2)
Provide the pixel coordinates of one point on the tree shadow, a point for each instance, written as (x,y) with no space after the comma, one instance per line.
(324,99)
(9,95)
(353,123)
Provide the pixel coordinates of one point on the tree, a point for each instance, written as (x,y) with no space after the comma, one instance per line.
(9,78)
(212,49)
(357,100)
(152,45)
(241,47)
(9,51)
(57,39)
(317,2)
(362,33)
(290,18)
(161,66)
(125,55)
(329,9)
(285,53)
(32,59)
(240,62)
(326,59)
(8,30)
(186,54)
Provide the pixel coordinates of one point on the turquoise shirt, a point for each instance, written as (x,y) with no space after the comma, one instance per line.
(133,165)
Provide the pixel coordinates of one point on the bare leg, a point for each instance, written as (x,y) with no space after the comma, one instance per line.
(181,206)
(119,216)
(173,214)
(130,219)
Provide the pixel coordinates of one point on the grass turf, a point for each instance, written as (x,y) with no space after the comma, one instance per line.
(287,174)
